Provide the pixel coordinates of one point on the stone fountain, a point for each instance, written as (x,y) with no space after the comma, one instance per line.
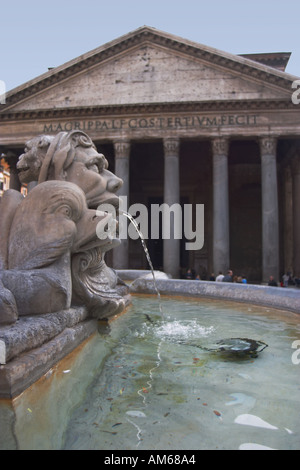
(54,282)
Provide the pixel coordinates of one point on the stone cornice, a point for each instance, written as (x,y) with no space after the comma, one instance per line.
(278,60)
(142,35)
(151,108)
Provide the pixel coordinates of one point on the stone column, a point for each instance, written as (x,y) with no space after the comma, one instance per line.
(288,219)
(296,210)
(221,243)
(270,217)
(171,196)
(122,165)
(14,182)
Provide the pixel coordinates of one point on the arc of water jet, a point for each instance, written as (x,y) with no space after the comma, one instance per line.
(134,223)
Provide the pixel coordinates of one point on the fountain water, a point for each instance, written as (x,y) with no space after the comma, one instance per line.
(144,386)
(141,236)
(157,391)
(234,346)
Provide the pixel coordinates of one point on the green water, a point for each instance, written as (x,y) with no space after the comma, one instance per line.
(147,383)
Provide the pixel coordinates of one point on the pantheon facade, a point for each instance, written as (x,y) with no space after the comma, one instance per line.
(182,123)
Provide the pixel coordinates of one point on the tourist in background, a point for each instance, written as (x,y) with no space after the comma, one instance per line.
(228,277)
(220,277)
(272,282)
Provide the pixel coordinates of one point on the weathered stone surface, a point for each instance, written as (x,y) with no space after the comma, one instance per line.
(70,156)
(53,277)
(53,237)
(8,306)
(147,80)
(142,73)
(49,225)
(8,206)
(30,332)
(25,369)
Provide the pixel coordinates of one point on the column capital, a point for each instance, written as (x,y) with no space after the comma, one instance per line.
(220,145)
(122,148)
(268,145)
(171,146)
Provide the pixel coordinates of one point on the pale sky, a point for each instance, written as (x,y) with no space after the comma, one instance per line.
(36,35)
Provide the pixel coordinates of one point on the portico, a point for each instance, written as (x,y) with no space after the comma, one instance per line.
(216,196)
(180,123)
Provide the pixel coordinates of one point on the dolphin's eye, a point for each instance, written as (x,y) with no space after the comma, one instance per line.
(65,210)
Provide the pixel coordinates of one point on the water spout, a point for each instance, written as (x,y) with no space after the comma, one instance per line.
(134,223)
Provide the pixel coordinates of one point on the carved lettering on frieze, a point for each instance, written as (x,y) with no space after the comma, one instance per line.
(153,123)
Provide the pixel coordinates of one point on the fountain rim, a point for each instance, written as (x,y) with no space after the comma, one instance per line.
(284,299)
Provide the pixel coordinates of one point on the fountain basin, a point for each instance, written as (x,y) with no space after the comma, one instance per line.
(30,348)
(140,384)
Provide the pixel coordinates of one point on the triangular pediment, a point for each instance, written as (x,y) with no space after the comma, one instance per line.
(148,66)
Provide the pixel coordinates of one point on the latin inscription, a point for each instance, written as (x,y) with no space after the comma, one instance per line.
(174,122)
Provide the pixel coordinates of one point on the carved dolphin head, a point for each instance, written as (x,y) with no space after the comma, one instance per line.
(51,221)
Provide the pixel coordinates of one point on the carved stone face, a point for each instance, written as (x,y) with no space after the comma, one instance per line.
(57,224)
(31,160)
(70,157)
(89,171)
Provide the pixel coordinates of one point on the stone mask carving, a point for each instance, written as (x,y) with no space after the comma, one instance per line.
(50,225)
(50,256)
(70,156)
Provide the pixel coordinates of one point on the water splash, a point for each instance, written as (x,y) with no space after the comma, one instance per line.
(134,223)
(182,331)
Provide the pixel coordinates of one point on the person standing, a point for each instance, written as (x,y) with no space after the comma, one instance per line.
(220,277)
(272,282)
(285,280)
(228,277)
